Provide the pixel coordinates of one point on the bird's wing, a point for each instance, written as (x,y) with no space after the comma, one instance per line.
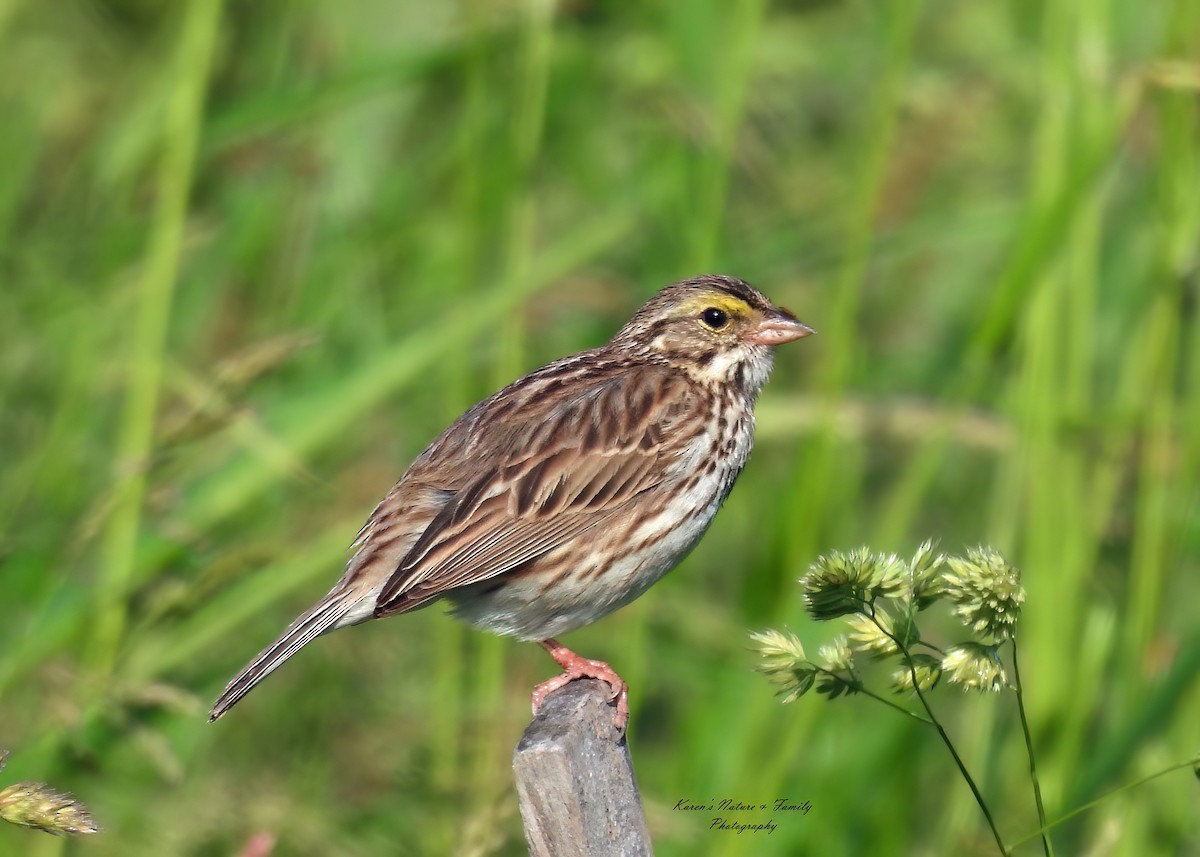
(579,462)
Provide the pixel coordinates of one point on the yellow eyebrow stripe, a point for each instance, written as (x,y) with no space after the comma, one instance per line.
(731,305)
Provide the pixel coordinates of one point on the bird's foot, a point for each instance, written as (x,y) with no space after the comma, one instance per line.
(576,666)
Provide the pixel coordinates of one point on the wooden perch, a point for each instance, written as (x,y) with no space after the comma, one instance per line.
(575,782)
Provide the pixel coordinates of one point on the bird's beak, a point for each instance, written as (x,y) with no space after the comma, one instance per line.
(777,328)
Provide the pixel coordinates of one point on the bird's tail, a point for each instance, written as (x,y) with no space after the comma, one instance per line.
(324,616)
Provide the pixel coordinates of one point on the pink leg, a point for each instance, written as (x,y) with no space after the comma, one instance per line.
(575,666)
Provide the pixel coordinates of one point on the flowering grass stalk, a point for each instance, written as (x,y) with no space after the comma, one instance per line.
(38,806)
(880,596)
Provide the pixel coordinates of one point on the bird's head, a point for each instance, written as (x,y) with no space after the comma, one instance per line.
(718,328)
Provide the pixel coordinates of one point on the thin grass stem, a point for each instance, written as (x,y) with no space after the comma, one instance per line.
(868,692)
(1190,763)
(1033,775)
(147,357)
(962,768)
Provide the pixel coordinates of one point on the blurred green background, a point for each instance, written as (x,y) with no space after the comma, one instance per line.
(254,256)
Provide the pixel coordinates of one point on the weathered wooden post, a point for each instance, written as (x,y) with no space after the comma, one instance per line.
(575,781)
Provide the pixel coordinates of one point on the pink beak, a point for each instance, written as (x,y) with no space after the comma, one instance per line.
(777,328)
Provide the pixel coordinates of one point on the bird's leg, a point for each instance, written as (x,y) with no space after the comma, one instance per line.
(576,666)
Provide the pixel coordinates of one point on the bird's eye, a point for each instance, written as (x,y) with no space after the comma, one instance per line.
(714,318)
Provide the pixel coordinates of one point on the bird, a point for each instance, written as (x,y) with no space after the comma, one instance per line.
(567,494)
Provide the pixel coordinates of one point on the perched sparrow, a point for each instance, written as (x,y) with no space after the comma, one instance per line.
(568,493)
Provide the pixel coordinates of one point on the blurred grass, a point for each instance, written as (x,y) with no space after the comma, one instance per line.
(254,256)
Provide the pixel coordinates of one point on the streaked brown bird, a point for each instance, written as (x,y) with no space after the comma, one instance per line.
(567,494)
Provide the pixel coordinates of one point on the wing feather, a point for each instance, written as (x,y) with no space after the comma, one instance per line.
(607,445)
